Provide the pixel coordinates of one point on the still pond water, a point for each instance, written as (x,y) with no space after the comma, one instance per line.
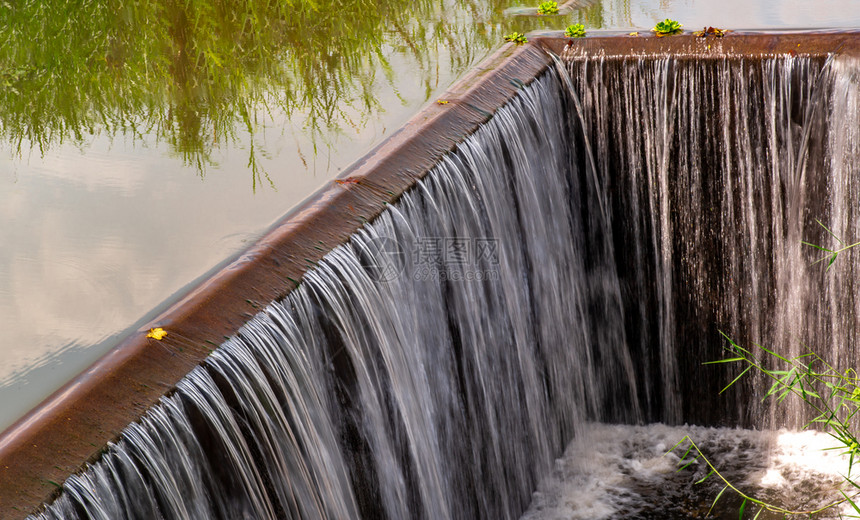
(142,145)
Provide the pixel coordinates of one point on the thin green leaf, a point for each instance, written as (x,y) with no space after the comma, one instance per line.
(676,445)
(822,259)
(721,494)
(772,353)
(852,483)
(817,247)
(780,384)
(705,477)
(747,369)
(728,360)
(741,512)
(850,501)
(689,449)
(804,392)
(831,232)
(735,345)
(685,466)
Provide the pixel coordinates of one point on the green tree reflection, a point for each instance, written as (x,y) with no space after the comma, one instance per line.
(193,72)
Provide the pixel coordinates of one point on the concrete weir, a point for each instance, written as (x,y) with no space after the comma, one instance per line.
(73,425)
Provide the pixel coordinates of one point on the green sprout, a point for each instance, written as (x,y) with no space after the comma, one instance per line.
(516,37)
(576,30)
(548,7)
(667,27)
(831,254)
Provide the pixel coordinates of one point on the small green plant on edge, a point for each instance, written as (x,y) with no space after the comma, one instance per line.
(516,37)
(548,7)
(576,30)
(667,27)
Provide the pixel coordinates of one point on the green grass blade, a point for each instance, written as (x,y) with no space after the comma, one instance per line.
(721,494)
(705,477)
(851,481)
(734,345)
(850,502)
(772,353)
(817,247)
(728,360)
(830,232)
(735,380)
(808,354)
(685,466)
(676,445)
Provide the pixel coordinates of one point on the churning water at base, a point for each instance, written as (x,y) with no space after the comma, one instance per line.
(621,472)
(561,267)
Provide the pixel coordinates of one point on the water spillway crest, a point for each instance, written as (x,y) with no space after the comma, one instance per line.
(568,266)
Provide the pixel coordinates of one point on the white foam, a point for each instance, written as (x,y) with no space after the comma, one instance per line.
(619,471)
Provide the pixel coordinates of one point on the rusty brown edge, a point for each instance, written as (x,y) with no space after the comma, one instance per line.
(73,425)
(741,43)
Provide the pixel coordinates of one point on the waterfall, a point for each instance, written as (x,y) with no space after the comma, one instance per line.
(716,171)
(571,261)
(433,367)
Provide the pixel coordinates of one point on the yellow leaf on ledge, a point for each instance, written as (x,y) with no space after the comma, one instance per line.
(157,333)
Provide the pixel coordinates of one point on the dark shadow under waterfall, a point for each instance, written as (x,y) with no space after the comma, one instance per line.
(716,172)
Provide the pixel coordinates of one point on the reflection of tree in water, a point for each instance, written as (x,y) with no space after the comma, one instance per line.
(194,72)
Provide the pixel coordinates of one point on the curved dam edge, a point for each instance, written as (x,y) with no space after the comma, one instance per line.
(72,426)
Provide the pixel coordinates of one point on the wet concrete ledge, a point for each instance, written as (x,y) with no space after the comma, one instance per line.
(74,424)
(613,45)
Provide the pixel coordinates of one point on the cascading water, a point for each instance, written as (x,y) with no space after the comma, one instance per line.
(437,364)
(716,171)
(431,368)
